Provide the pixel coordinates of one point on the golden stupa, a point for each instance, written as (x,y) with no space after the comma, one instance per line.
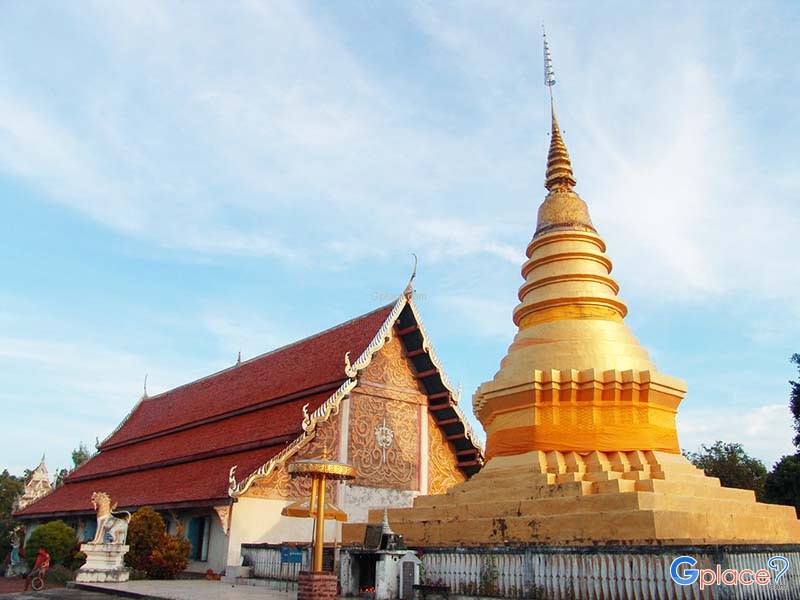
(582,447)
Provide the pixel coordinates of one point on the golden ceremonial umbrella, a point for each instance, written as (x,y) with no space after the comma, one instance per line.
(302,508)
(319,470)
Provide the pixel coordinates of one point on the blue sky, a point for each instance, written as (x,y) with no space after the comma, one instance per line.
(181,181)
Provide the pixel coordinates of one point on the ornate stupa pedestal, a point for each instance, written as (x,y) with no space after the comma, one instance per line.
(582,446)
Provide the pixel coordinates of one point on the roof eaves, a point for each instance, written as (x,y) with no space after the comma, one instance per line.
(428,346)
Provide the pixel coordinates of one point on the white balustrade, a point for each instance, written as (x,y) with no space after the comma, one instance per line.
(597,575)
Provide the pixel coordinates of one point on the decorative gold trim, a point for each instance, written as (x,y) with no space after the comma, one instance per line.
(327,408)
(384,335)
(224,514)
(322,467)
(277,462)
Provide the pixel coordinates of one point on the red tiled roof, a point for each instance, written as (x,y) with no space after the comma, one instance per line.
(257,428)
(303,365)
(197,482)
(178,447)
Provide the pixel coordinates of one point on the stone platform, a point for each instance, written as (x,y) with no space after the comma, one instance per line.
(103,564)
(570,498)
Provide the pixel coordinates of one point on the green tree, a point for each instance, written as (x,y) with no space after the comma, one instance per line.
(794,401)
(80,455)
(783,483)
(732,465)
(56,537)
(10,489)
(61,475)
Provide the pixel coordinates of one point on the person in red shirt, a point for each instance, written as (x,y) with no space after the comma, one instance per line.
(39,568)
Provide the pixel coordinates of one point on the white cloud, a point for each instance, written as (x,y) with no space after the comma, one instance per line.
(764,431)
(246,333)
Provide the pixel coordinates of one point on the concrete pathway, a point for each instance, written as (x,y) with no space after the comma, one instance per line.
(57,594)
(192,589)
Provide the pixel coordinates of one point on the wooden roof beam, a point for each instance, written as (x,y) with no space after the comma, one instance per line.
(468,451)
(407,330)
(428,373)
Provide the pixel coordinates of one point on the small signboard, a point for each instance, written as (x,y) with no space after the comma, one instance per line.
(291,554)
(372,537)
(328,559)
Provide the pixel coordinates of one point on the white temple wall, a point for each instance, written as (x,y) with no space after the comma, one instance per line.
(358,500)
(259,520)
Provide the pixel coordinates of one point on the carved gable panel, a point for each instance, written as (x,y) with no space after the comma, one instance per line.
(384,442)
(442,470)
(391,368)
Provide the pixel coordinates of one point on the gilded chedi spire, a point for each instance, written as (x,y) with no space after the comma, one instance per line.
(559,174)
(571,334)
(562,208)
(581,443)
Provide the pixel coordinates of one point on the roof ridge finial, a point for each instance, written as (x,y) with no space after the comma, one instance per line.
(409,291)
(559,174)
(144,395)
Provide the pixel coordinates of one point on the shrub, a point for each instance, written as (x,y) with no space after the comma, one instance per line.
(170,557)
(152,549)
(77,560)
(145,531)
(59,575)
(55,537)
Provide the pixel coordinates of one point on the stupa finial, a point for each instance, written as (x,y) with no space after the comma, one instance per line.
(559,174)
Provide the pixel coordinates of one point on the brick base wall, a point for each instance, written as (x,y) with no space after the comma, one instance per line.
(317,586)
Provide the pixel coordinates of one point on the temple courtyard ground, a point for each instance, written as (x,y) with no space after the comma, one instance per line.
(163,590)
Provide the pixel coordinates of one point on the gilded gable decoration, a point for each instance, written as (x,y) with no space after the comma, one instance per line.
(403,470)
(383,437)
(389,461)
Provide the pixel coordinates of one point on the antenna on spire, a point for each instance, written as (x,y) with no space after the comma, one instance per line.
(559,169)
(549,73)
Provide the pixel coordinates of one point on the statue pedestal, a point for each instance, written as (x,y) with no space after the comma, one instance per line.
(103,564)
(314,585)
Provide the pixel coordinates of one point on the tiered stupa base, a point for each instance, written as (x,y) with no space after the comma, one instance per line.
(567,498)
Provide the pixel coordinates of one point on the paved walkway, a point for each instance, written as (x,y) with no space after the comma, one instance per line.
(57,594)
(194,589)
